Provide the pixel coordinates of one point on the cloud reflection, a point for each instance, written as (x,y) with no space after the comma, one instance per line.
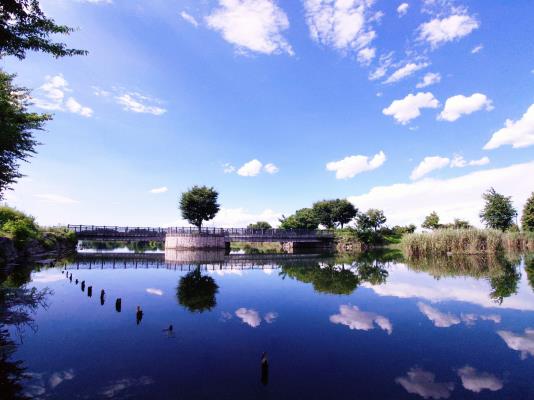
(522,343)
(270,317)
(477,381)
(352,317)
(119,386)
(423,383)
(440,320)
(249,316)
(154,291)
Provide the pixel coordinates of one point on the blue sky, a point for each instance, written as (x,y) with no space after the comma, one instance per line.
(392,104)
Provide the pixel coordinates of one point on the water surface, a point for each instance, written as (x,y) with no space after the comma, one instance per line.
(367,328)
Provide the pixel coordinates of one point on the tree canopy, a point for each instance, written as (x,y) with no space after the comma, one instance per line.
(333,213)
(24,27)
(305,218)
(431,221)
(17,127)
(527,219)
(199,204)
(498,211)
(260,225)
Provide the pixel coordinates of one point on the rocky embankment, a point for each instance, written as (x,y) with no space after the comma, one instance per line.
(49,246)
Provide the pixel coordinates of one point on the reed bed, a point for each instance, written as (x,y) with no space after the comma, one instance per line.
(465,241)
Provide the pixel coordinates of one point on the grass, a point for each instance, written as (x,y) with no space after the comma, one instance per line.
(465,241)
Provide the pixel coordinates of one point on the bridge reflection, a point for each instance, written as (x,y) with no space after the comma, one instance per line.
(188,260)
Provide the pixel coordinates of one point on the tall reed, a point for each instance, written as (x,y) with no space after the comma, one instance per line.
(465,241)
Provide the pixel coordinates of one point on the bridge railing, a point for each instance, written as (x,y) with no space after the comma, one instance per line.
(96,230)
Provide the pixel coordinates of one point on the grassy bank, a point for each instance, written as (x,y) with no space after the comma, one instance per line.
(465,241)
(22,237)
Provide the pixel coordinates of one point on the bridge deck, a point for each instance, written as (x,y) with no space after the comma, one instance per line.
(117,233)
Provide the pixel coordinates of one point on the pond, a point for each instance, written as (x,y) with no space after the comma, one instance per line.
(269,327)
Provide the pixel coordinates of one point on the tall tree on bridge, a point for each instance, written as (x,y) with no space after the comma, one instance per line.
(199,204)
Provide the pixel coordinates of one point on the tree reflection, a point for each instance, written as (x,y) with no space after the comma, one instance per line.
(196,292)
(529,269)
(18,303)
(505,283)
(340,276)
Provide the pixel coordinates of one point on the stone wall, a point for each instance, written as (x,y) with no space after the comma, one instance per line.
(195,241)
(181,256)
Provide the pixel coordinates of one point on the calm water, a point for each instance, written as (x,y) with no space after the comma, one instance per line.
(343,329)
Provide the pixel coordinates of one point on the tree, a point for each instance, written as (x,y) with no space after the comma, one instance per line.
(527,219)
(17,127)
(431,221)
(333,213)
(461,224)
(196,292)
(305,218)
(376,218)
(498,212)
(23,27)
(199,204)
(260,225)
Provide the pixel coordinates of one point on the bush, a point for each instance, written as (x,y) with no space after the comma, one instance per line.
(17,226)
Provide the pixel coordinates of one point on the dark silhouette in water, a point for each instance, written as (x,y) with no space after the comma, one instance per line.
(197,292)
(138,315)
(169,331)
(83,286)
(76,281)
(90,291)
(118,305)
(102,297)
(264,369)
(70,278)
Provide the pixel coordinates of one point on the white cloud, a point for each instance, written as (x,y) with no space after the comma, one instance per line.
(459,162)
(251,168)
(159,190)
(405,71)
(477,381)
(460,197)
(270,317)
(97,1)
(366,55)
(518,133)
(440,320)
(491,317)
(154,291)
(138,103)
(251,25)
(423,383)
(56,198)
(384,62)
(428,165)
(351,166)
(352,317)
(54,90)
(240,217)
(189,18)
(404,110)
(477,49)
(270,168)
(440,31)
(522,343)
(430,78)
(249,316)
(340,24)
(402,9)
(459,105)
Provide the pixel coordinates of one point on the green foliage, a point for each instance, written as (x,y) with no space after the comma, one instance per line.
(333,213)
(527,219)
(431,221)
(17,127)
(402,230)
(23,27)
(376,218)
(196,292)
(199,204)
(17,226)
(498,212)
(260,225)
(305,218)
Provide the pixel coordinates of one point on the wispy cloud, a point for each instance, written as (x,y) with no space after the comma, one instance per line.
(56,198)
(442,30)
(52,96)
(189,18)
(405,71)
(159,190)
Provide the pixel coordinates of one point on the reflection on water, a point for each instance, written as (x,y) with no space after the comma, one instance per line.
(212,325)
